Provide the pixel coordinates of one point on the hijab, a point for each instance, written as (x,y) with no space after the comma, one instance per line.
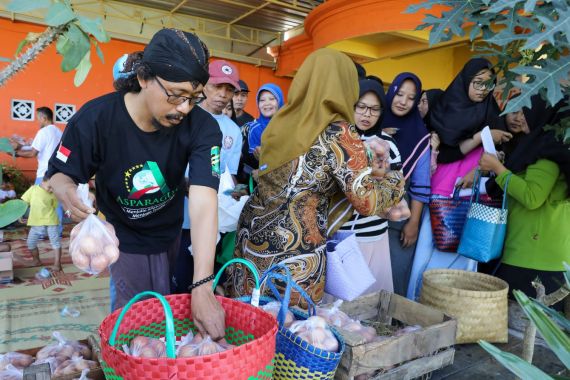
(433,95)
(411,127)
(257,127)
(540,143)
(374,85)
(456,117)
(323,91)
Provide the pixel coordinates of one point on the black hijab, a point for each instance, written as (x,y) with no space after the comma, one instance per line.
(433,95)
(456,117)
(539,143)
(373,84)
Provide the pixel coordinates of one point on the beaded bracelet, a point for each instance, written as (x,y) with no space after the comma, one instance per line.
(201,282)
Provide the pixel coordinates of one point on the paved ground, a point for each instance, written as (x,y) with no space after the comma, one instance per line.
(473,363)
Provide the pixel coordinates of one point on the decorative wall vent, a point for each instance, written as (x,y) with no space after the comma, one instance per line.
(23,110)
(64,112)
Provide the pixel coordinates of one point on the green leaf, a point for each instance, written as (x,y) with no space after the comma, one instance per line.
(450,23)
(556,339)
(500,5)
(27,5)
(99,52)
(557,377)
(513,363)
(425,5)
(556,316)
(551,28)
(504,37)
(547,77)
(75,49)
(82,70)
(59,14)
(529,5)
(94,27)
(567,273)
(4,59)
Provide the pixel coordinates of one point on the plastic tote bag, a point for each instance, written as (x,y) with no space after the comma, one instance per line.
(348,276)
(485,228)
(229,209)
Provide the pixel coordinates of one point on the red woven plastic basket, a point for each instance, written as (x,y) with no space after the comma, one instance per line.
(245,323)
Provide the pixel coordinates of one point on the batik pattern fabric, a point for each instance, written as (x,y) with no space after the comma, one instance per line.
(285,220)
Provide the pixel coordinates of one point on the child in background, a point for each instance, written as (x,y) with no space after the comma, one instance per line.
(43,219)
(6,191)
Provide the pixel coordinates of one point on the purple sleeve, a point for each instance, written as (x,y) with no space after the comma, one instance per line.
(420,180)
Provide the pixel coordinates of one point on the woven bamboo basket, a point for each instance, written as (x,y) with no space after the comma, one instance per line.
(478,301)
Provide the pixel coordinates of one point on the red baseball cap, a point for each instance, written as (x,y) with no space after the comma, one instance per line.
(223,72)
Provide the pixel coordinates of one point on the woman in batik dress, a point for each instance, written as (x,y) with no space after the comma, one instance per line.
(310,151)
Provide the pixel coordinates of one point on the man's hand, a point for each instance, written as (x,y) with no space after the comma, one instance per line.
(207,313)
(65,191)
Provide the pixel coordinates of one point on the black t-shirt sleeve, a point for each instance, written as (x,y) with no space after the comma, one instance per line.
(202,160)
(77,156)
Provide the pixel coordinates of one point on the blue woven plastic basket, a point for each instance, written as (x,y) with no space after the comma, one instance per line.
(295,358)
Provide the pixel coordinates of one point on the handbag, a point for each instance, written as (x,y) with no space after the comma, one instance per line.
(348,275)
(485,228)
(447,217)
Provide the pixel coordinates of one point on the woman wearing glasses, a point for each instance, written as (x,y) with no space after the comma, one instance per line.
(465,108)
(372,231)
(412,139)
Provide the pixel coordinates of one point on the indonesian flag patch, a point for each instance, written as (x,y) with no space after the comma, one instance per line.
(63,153)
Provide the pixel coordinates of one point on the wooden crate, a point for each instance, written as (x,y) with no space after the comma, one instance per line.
(405,357)
(41,372)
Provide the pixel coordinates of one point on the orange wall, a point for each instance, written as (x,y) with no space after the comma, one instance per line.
(45,83)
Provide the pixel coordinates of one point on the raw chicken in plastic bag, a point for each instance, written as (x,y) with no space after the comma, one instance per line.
(73,365)
(315,331)
(399,212)
(84,375)
(11,373)
(16,359)
(145,347)
(334,316)
(93,245)
(199,346)
(63,349)
(380,150)
(273,309)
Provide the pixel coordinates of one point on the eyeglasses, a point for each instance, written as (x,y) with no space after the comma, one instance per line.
(179,99)
(361,108)
(478,85)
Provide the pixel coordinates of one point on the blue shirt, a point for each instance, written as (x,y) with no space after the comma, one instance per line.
(232,141)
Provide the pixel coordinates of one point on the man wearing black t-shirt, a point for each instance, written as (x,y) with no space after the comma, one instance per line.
(240,100)
(138,142)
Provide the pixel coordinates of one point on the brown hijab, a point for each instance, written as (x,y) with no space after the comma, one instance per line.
(324,90)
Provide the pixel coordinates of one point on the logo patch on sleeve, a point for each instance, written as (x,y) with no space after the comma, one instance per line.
(63,153)
(215,161)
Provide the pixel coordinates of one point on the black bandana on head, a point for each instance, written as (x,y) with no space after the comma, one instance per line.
(177,56)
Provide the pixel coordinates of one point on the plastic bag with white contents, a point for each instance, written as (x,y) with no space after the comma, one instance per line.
(11,373)
(93,245)
(84,375)
(315,331)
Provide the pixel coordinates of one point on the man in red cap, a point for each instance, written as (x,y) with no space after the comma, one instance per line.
(219,91)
